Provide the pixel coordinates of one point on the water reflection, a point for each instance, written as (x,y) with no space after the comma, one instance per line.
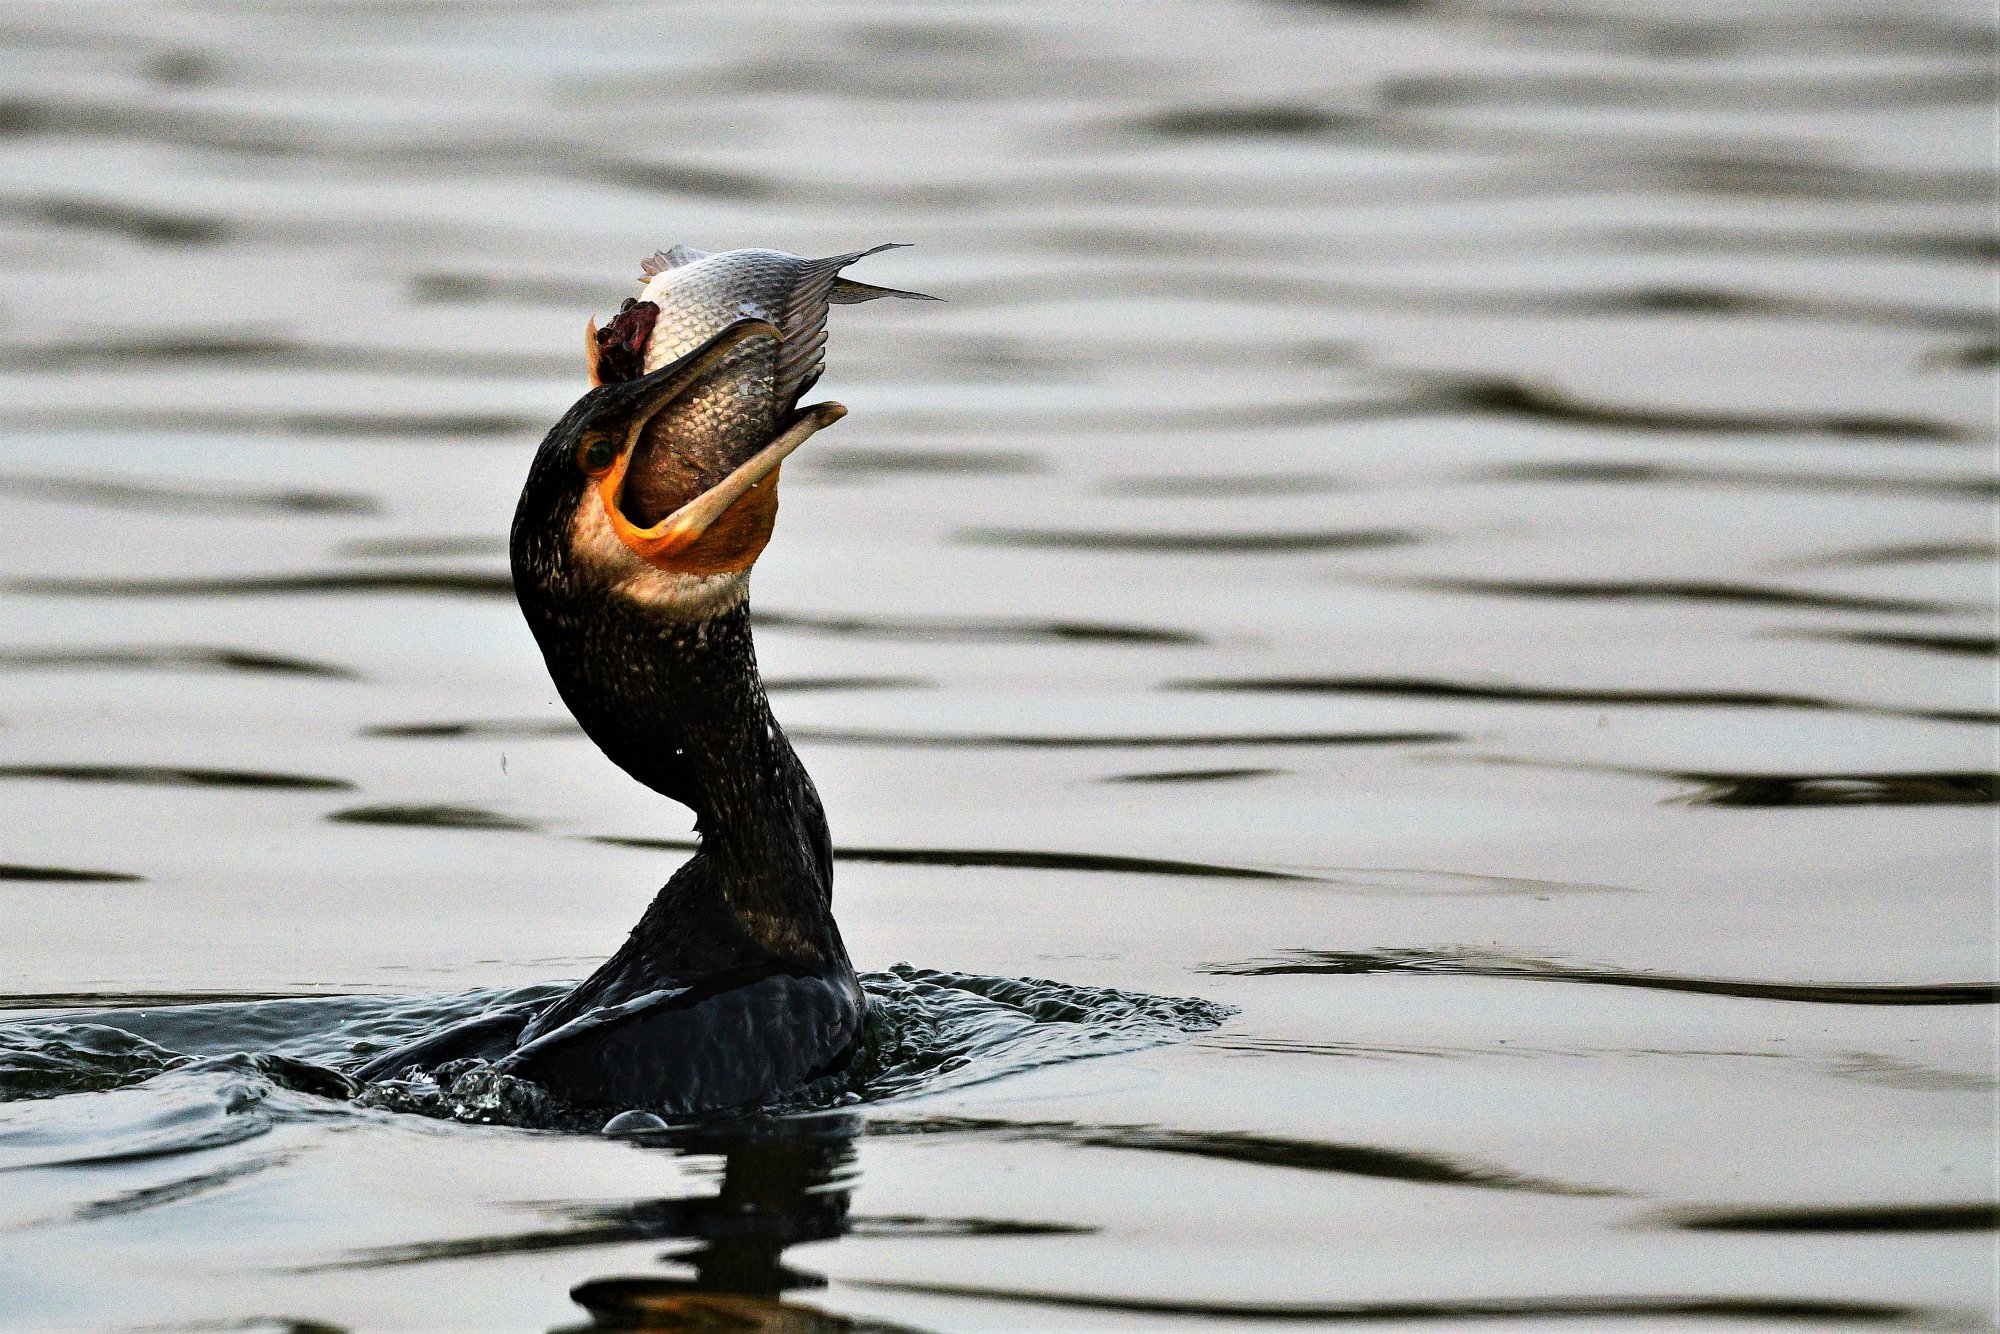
(658,1305)
(780,1183)
(777,1190)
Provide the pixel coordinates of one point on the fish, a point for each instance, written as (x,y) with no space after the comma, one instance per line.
(749,396)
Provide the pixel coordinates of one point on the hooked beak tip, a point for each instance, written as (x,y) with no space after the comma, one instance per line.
(735,515)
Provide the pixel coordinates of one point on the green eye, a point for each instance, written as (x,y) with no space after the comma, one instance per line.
(597,454)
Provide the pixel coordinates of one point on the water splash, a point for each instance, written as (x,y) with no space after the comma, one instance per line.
(927,1030)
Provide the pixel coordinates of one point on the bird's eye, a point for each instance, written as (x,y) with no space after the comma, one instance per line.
(597,453)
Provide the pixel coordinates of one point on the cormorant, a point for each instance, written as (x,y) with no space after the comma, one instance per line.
(735,987)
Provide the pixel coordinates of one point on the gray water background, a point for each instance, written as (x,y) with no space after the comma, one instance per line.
(1462,531)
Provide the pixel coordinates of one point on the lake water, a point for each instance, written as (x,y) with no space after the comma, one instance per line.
(1433,579)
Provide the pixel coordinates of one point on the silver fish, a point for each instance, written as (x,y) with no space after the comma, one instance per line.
(736,408)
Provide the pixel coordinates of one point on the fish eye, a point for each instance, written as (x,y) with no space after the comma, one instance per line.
(597,453)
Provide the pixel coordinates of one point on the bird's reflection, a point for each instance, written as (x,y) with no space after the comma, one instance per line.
(783,1183)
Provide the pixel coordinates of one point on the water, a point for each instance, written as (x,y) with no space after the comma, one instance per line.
(1455,539)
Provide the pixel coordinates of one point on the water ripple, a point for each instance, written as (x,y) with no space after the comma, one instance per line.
(1619,472)
(430,817)
(1850,789)
(172,658)
(976,741)
(1011,859)
(158,498)
(154,775)
(1193,543)
(1714,592)
(1239,1147)
(1592,697)
(1970,646)
(1803,1310)
(1473,963)
(179,1189)
(63,875)
(459,583)
(1848,1218)
(586,1226)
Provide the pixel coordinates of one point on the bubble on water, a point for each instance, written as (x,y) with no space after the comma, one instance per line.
(633,1123)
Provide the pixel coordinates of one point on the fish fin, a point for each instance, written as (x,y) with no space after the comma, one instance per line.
(847,292)
(675,258)
(803,319)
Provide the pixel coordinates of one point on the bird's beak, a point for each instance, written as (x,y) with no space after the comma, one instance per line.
(725,528)
(644,398)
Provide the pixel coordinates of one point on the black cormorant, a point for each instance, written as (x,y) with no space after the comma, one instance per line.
(734,987)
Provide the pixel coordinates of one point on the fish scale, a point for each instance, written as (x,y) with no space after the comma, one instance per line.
(736,408)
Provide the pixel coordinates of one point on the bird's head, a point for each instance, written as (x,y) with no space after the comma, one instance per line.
(572,534)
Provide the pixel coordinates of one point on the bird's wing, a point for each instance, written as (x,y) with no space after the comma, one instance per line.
(741,1037)
(488,1036)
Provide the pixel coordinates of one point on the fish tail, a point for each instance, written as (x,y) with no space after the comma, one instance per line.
(847,292)
(803,319)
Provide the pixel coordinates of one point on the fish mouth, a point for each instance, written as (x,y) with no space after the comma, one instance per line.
(725,528)
(617,352)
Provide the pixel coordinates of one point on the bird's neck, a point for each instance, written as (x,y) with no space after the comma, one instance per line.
(679,705)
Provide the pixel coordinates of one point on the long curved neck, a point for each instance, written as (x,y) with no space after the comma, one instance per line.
(679,705)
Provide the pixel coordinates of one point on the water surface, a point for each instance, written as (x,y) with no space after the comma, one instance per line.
(1430,589)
